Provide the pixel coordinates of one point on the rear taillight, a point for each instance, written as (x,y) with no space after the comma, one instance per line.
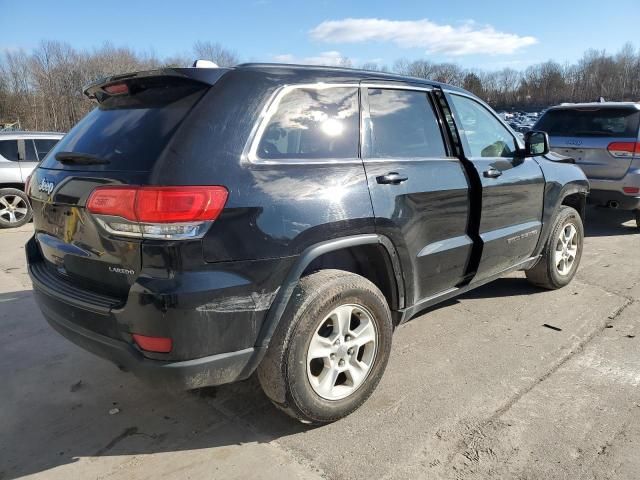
(631,190)
(624,149)
(157,212)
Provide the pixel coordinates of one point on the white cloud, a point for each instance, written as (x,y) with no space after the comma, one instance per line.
(330,58)
(468,38)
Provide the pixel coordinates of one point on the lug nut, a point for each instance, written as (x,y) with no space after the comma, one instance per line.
(341,362)
(333,356)
(350,351)
(347,338)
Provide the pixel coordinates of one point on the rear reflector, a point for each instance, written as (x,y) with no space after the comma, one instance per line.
(159,204)
(153,344)
(624,149)
(631,190)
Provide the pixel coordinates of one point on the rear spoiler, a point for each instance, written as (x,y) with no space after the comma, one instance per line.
(206,76)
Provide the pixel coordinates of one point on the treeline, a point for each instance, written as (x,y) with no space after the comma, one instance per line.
(42,89)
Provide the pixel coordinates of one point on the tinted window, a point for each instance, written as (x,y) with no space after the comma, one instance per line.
(129,131)
(9,149)
(313,123)
(403,125)
(30,151)
(43,146)
(485,135)
(600,122)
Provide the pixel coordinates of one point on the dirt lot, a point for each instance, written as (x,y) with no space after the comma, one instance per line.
(475,388)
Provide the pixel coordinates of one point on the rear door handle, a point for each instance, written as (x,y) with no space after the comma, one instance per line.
(492,173)
(393,178)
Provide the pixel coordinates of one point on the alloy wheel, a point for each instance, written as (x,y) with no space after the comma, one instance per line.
(341,352)
(13,208)
(566,249)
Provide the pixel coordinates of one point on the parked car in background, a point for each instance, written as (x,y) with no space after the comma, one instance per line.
(201,224)
(20,152)
(604,140)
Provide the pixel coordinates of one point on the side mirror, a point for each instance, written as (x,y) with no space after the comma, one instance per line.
(536,143)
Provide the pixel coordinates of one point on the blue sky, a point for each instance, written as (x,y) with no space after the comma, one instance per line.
(474,33)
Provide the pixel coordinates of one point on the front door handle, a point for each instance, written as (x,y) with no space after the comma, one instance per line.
(393,178)
(492,173)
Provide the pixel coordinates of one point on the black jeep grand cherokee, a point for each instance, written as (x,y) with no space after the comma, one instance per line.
(200,224)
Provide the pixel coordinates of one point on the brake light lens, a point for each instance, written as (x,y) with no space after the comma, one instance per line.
(116,89)
(153,344)
(624,149)
(157,212)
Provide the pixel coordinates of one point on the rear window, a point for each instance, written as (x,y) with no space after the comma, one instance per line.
(130,131)
(592,122)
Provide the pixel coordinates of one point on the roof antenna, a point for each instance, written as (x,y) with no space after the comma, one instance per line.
(602,100)
(204,64)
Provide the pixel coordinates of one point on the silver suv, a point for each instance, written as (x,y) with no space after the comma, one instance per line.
(604,140)
(20,152)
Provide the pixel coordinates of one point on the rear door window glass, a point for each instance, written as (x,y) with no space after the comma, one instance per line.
(403,125)
(43,146)
(591,122)
(29,151)
(9,149)
(313,123)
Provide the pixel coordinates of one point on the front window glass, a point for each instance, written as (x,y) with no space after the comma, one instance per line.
(486,136)
(313,123)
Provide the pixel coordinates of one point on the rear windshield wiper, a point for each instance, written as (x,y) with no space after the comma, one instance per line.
(77,158)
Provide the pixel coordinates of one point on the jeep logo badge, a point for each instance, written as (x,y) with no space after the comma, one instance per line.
(46,186)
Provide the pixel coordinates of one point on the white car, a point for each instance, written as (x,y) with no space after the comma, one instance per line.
(20,152)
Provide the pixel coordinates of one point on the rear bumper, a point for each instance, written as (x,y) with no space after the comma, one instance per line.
(188,374)
(604,192)
(213,316)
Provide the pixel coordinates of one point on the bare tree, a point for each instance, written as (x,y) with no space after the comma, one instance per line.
(216,53)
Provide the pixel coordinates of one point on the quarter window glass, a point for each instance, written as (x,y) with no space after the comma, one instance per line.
(486,136)
(403,125)
(313,123)
(43,146)
(9,149)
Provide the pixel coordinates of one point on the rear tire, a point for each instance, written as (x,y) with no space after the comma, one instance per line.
(637,215)
(330,349)
(15,209)
(562,252)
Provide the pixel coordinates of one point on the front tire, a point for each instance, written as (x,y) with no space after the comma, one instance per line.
(330,349)
(562,252)
(15,209)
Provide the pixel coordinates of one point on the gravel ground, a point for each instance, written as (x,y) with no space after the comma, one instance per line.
(476,388)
